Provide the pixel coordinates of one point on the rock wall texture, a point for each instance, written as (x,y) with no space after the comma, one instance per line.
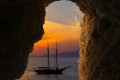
(21,26)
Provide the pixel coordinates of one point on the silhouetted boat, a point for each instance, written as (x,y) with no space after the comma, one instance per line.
(50,70)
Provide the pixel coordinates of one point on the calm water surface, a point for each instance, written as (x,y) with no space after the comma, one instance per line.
(68,74)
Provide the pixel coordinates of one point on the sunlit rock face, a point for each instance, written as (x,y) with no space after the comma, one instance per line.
(21,21)
(100,41)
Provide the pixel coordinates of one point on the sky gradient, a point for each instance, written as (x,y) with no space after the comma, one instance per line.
(62,24)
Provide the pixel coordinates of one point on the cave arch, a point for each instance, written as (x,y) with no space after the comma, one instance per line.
(99,43)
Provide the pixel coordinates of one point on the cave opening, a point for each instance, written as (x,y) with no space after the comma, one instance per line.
(62,25)
(21,22)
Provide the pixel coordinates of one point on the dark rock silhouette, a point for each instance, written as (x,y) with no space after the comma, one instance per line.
(20,28)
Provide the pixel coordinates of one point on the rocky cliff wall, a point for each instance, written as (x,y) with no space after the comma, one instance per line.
(21,26)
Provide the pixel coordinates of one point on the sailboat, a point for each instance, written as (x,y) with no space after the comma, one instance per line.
(48,69)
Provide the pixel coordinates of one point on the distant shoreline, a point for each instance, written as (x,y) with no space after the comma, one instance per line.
(65,54)
(54,56)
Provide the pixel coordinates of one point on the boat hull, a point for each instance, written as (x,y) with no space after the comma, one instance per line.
(49,71)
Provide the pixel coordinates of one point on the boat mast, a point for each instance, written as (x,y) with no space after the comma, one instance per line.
(48,55)
(56,57)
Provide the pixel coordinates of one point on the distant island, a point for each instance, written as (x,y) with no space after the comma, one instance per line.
(64,54)
(71,54)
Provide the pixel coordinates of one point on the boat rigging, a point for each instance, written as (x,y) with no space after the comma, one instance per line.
(48,69)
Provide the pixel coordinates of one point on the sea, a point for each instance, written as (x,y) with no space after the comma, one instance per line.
(68,74)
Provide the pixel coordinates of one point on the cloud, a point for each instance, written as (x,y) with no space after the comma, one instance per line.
(77,21)
(66,36)
(60,31)
(63,12)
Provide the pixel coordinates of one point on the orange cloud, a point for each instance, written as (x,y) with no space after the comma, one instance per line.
(66,36)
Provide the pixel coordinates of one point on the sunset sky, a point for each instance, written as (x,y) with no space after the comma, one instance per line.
(61,25)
